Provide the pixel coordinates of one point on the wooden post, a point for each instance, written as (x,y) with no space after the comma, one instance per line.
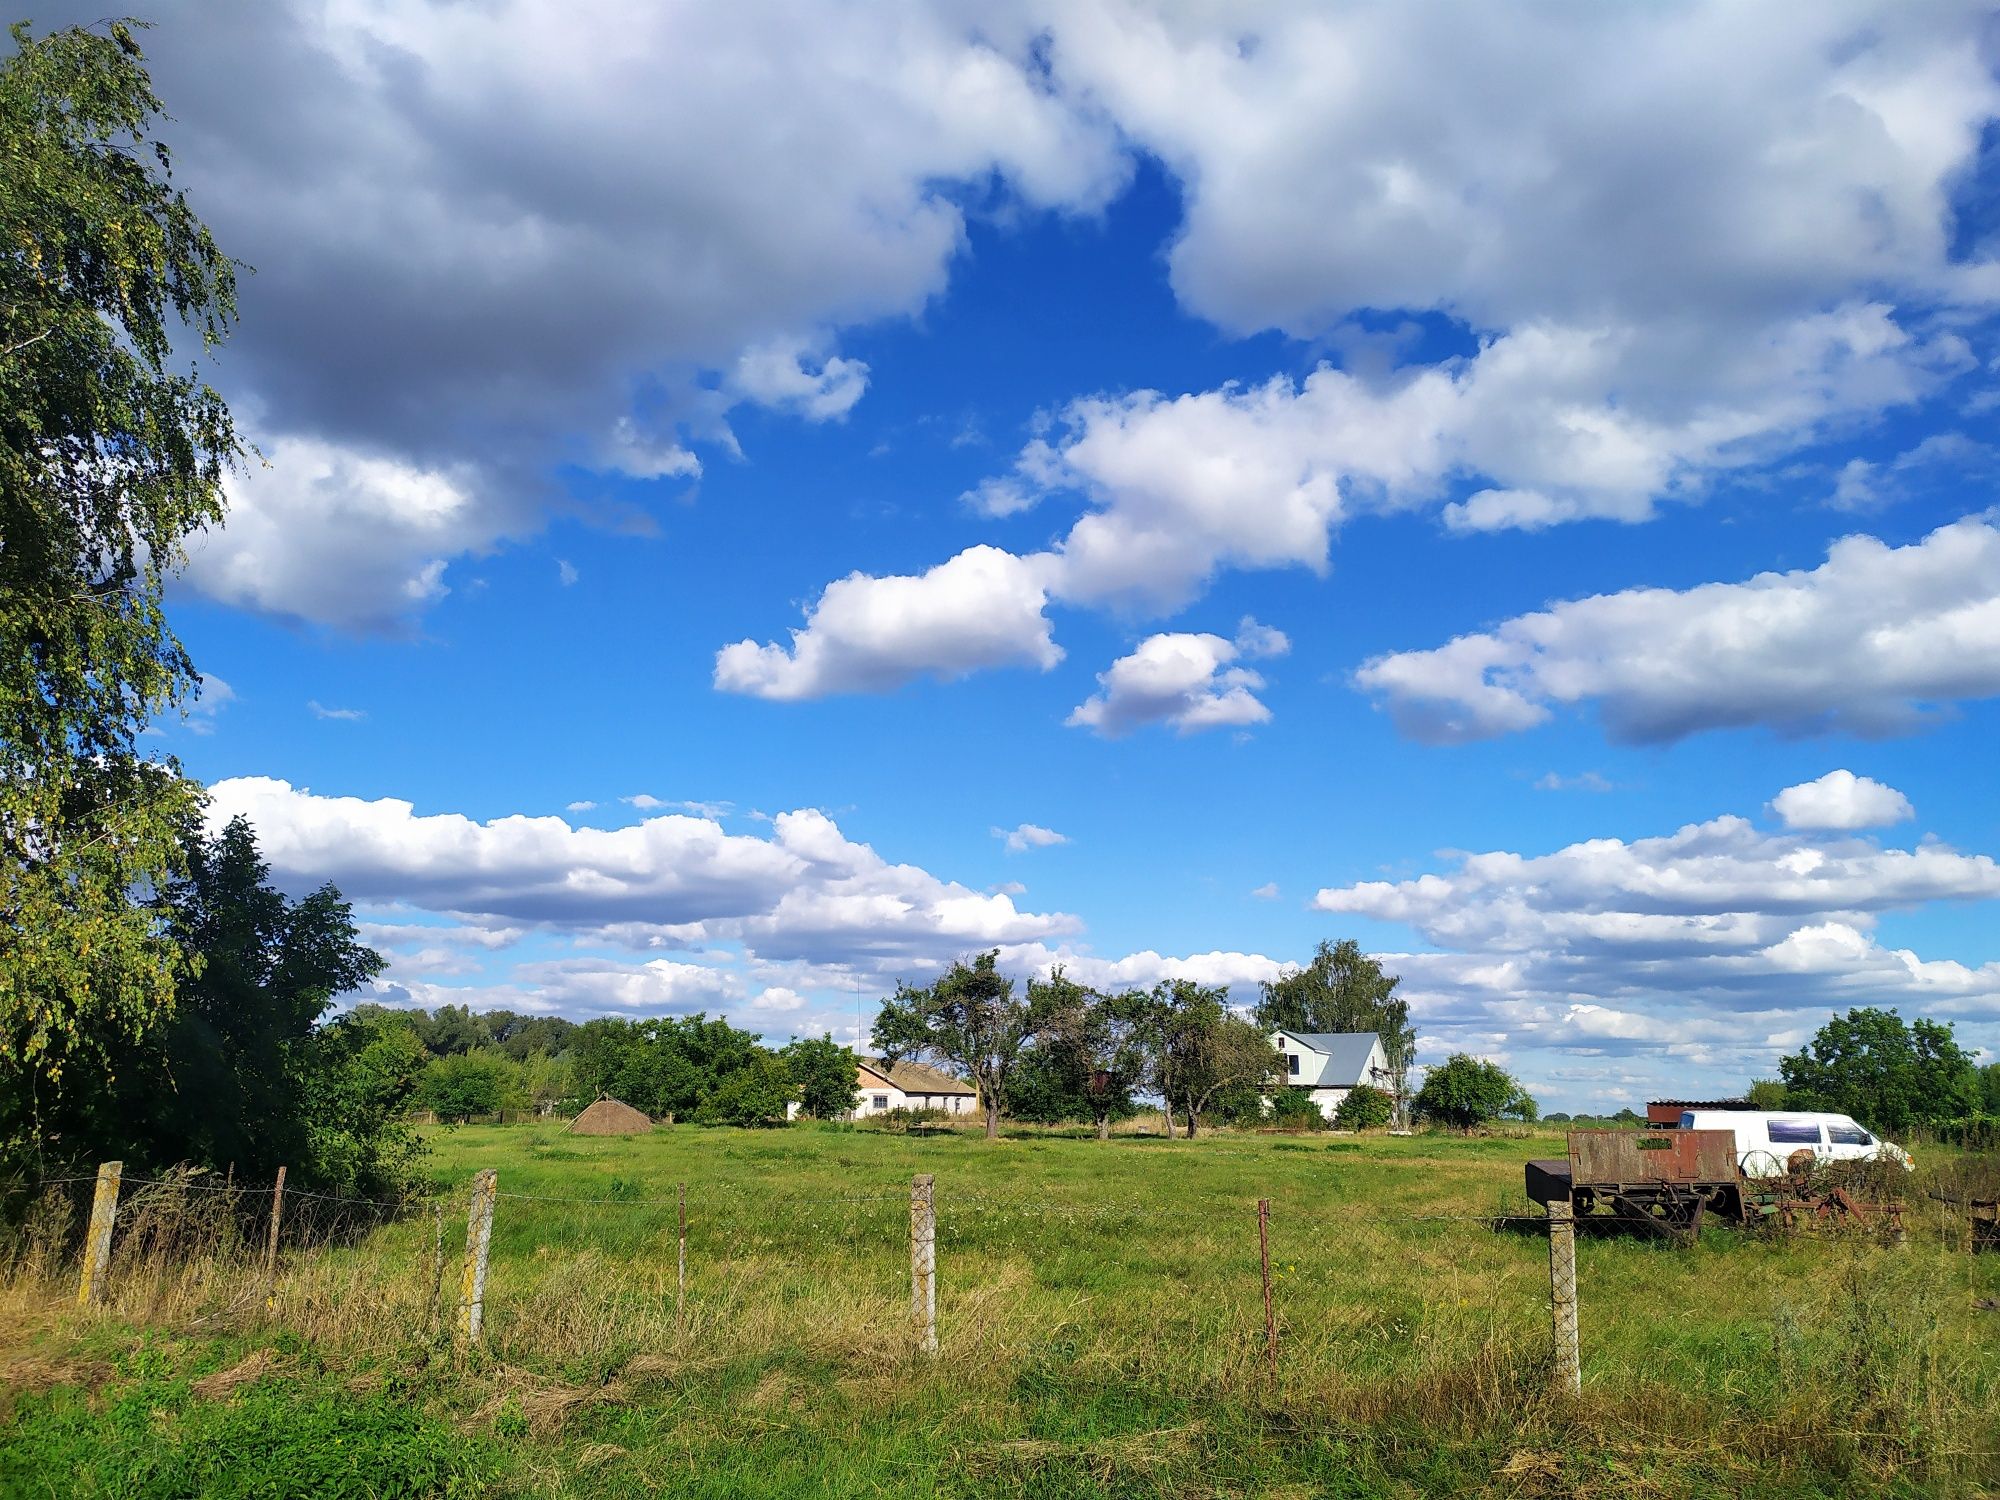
(97,1244)
(478,1237)
(271,1245)
(680,1297)
(437,1266)
(923,1261)
(1264,1250)
(1562,1297)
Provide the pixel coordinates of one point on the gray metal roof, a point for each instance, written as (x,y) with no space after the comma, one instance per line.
(1343,1060)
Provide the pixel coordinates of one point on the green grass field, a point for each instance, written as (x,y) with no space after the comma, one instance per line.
(1101,1326)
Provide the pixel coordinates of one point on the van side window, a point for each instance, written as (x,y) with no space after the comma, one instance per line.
(1794,1132)
(1849,1135)
(1687,1119)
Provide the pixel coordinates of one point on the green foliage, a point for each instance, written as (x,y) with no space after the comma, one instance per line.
(1465,1091)
(1766,1093)
(825,1074)
(1887,1073)
(108,462)
(1294,1109)
(240,1073)
(1365,1108)
(1989,1088)
(1199,1051)
(668,1066)
(149,1435)
(757,1093)
(1086,1058)
(969,1019)
(460,1085)
(1344,990)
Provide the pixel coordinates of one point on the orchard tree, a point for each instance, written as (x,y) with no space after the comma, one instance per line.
(759,1092)
(109,460)
(1091,1046)
(1200,1048)
(1344,990)
(969,1019)
(826,1074)
(1365,1108)
(1886,1072)
(1465,1091)
(460,1085)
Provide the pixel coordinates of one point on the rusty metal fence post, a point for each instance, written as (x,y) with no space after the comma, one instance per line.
(923,1261)
(478,1238)
(97,1244)
(1562,1297)
(271,1244)
(1264,1253)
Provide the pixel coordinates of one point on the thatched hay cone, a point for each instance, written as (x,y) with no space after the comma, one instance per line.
(610,1117)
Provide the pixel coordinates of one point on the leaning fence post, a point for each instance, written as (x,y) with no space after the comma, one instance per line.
(1562,1296)
(1264,1251)
(271,1245)
(680,1296)
(923,1261)
(478,1236)
(97,1245)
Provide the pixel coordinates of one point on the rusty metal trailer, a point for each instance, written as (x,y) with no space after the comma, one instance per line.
(1665,1180)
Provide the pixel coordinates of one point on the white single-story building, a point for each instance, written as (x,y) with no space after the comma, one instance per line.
(909,1085)
(1327,1064)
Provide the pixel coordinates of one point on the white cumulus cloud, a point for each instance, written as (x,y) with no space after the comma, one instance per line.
(1029,836)
(983,608)
(1840,799)
(1184,680)
(1874,641)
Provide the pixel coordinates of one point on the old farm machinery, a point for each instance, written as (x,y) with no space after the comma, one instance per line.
(1667,1181)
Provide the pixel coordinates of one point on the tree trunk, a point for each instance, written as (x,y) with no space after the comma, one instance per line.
(1193,1122)
(1104,1127)
(1167,1114)
(992,1122)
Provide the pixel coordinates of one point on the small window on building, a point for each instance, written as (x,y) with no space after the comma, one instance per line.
(1292,1063)
(1849,1135)
(1794,1132)
(881,1101)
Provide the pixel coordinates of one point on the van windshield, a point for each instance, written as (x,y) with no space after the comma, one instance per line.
(1794,1132)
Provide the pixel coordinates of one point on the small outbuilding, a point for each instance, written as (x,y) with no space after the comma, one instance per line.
(610,1117)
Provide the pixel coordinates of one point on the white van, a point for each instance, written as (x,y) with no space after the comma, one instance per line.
(1766,1139)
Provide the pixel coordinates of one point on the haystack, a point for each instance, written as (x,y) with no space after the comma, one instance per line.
(610,1117)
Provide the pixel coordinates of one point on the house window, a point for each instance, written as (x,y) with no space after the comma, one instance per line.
(1292,1063)
(881,1101)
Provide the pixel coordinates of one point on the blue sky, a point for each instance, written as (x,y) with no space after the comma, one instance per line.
(1374,471)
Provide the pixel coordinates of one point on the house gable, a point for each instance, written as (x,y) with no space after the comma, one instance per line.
(1332,1059)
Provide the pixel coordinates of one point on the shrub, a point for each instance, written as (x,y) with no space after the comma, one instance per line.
(1365,1108)
(1294,1109)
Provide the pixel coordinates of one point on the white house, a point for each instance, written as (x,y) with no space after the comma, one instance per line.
(1327,1064)
(909,1085)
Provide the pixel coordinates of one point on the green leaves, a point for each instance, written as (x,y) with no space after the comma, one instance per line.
(1887,1073)
(1465,1091)
(108,462)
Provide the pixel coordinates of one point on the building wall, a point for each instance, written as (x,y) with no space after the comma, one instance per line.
(878,1097)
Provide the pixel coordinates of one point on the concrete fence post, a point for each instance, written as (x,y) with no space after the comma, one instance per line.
(478,1239)
(271,1244)
(1562,1297)
(923,1261)
(680,1296)
(97,1244)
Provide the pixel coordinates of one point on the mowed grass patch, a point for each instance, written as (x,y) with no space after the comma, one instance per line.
(1101,1322)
